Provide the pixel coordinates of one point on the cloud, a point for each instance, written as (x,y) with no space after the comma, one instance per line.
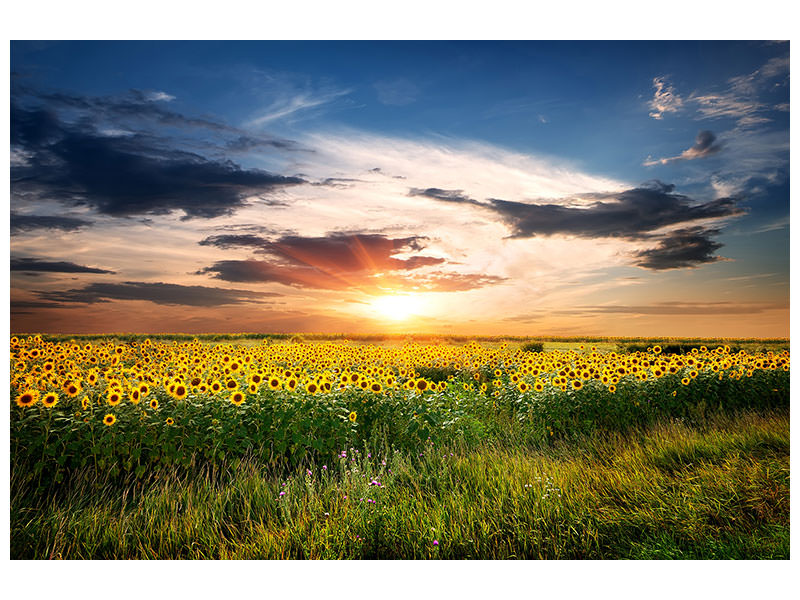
(679,249)
(158,293)
(290,106)
(631,214)
(123,176)
(24,223)
(444,195)
(685,308)
(248,143)
(159,97)
(306,276)
(37,265)
(397,92)
(743,98)
(703,147)
(132,107)
(333,261)
(665,99)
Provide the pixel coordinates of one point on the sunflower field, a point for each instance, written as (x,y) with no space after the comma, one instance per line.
(128,407)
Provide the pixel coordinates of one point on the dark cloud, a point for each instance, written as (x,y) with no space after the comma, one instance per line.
(36,265)
(22,223)
(334,261)
(631,214)
(260,271)
(444,195)
(37,304)
(107,157)
(132,106)
(335,252)
(704,146)
(248,143)
(158,293)
(338,182)
(679,249)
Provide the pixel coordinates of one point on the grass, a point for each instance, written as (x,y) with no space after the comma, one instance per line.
(717,488)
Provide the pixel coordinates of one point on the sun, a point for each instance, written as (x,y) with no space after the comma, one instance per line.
(397,307)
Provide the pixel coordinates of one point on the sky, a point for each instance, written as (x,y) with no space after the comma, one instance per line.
(475,188)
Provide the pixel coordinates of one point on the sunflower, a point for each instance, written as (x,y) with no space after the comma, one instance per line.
(135,395)
(231,385)
(109,420)
(73,389)
(154,404)
(352,416)
(523,387)
(237,398)
(50,399)
(28,398)
(169,421)
(252,388)
(85,402)
(216,386)
(291,384)
(114,398)
(180,391)
(421,385)
(274,383)
(686,381)
(144,389)
(612,388)
(577,384)
(312,387)
(376,387)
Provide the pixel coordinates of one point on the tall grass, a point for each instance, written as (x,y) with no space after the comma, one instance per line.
(716,489)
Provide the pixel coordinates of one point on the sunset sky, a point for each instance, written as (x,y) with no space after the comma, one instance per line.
(523,188)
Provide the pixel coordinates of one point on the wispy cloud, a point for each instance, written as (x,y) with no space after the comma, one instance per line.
(48,266)
(665,99)
(158,293)
(685,308)
(159,97)
(742,99)
(704,146)
(291,106)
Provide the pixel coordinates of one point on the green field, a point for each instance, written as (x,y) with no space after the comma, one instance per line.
(643,454)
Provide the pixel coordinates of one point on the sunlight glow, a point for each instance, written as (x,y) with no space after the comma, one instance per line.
(397,307)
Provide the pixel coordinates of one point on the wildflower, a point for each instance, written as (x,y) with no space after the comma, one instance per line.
(435,542)
(352,418)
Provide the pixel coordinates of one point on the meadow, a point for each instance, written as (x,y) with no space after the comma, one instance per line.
(290,447)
